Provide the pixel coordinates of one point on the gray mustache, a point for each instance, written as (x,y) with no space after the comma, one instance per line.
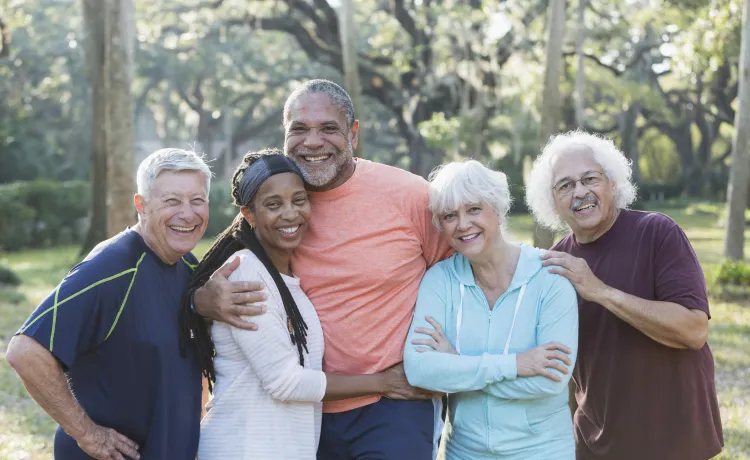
(588,199)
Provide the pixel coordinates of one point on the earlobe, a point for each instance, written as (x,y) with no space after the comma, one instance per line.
(245,211)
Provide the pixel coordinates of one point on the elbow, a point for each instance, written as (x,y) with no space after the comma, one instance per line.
(17,353)
(697,339)
(414,375)
(695,333)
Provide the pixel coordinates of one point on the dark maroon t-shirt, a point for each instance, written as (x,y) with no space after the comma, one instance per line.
(639,399)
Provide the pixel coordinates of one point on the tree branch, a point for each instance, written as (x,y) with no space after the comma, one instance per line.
(4,40)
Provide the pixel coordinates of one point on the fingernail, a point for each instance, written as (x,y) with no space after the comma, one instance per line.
(253,328)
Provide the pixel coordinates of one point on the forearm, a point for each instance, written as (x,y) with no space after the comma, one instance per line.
(341,386)
(45,381)
(528,387)
(668,323)
(449,373)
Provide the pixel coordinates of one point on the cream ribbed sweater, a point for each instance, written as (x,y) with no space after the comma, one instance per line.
(265,405)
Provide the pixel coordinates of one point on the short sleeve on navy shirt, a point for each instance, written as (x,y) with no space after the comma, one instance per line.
(83,309)
(113,325)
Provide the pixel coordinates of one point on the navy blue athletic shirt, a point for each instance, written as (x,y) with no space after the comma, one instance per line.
(112,324)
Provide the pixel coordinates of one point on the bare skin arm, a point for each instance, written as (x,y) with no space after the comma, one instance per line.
(391,383)
(45,381)
(668,323)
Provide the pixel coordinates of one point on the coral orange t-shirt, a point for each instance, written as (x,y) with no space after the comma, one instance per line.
(368,244)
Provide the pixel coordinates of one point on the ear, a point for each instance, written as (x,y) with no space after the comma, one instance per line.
(354,134)
(248,215)
(140,204)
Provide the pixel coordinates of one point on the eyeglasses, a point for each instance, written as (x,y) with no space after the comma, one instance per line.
(589,180)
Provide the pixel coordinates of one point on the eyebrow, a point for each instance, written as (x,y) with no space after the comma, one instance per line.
(567,178)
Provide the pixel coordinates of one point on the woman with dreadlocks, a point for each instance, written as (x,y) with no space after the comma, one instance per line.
(268,383)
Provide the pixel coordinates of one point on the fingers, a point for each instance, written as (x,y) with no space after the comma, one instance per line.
(561,271)
(435,324)
(248,310)
(556,261)
(554,255)
(126,445)
(549,375)
(428,342)
(251,288)
(225,270)
(432,333)
(557,346)
(557,365)
(560,357)
(240,323)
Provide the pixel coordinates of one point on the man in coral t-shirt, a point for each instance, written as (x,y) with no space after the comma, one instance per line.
(370,241)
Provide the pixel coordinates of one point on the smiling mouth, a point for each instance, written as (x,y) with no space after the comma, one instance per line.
(317,158)
(468,238)
(289,232)
(184,230)
(584,207)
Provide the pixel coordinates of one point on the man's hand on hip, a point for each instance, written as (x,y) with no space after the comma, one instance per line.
(228,301)
(107,444)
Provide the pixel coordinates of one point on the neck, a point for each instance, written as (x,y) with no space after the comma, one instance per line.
(167,257)
(590,235)
(346,173)
(496,267)
(280,258)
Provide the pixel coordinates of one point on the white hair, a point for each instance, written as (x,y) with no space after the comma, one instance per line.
(169,160)
(455,184)
(539,196)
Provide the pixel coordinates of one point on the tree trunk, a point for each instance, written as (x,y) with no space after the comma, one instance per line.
(109,28)
(581,32)
(734,240)
(551,99)
(351,72)
(93,15)
(120,166)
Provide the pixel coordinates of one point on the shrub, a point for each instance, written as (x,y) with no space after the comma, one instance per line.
(730,280)
(42,213)
(8,276)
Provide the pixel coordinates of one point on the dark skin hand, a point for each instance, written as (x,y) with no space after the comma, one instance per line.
(228,301)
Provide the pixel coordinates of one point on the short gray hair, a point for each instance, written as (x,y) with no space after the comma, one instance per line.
(617,168)
(339,97)
(169,160)
(461,182)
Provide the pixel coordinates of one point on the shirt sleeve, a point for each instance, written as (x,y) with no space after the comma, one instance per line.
(558,322)
(447,372)
(434,248)
(269,350)
(678,274)
(82,310)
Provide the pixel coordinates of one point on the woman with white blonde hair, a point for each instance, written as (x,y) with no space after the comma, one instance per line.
(492,328)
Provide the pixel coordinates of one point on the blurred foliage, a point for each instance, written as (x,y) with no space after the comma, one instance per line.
(8,277)
(442,80)
(730,280)
(42,213)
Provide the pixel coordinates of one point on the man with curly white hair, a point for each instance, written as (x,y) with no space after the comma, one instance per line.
(645,374)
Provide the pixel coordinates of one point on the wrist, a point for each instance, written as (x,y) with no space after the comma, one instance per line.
(191,299)
(604,295)
(79,431)
(383,383)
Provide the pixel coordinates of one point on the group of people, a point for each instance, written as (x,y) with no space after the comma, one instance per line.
(350,299)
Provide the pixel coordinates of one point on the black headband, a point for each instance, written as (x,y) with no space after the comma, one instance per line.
(260,171)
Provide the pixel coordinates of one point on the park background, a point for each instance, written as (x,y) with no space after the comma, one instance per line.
(88,88)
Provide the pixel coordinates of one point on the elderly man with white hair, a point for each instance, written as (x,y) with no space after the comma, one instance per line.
(645,375)
(100,354)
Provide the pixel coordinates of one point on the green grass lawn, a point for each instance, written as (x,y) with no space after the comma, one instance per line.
(26,431)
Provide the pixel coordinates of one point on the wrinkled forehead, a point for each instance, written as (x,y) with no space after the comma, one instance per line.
(182,183)
(315,109)
(573,161)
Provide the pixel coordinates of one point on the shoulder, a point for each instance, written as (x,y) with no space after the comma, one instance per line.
(251,268)
(441,272)
(650,220)
(110,259)
(395,181)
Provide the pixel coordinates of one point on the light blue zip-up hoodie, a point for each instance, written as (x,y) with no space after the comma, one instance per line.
(493,413)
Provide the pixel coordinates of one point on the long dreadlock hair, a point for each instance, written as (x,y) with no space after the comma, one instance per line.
(238,236)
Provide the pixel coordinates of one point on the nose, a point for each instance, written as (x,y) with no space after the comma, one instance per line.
(580,191)
(186,211)
(288,212)
(463,222)
(313,139)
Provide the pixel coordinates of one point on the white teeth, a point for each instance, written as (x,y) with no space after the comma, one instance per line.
(183,229)
(317,159)
(468,237)
(588,206)
(289,230)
